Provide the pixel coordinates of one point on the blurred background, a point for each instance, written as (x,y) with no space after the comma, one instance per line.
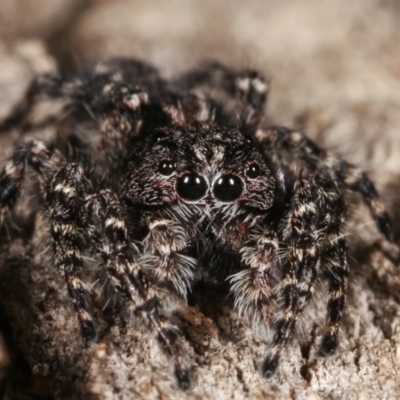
(336,63)
(334,68)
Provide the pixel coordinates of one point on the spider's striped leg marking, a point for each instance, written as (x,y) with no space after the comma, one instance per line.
(106,227)
(335,260)
(164,257)
(65,192)
(358,181)
(64,185)
(312,230)
(190,108)
(169,267)
(35,154)
(253,287)
(346,174)
(113,109)
(11,179)
(120,109)
(301,265)
(134,284)
(252,91)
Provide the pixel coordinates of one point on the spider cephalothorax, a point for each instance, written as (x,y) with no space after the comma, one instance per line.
(188,183)
(201,164)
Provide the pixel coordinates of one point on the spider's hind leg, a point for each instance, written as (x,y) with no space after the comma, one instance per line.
(246,89)
(346,174)
(358,181)
(43,102)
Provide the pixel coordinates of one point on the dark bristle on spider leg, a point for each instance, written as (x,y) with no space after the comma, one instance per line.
(177,180)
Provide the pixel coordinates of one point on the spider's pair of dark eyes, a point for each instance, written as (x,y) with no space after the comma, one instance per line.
(227,188)
(193,187)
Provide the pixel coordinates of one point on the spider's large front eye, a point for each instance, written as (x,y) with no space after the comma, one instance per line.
(166,167)
(191,186)
(228,188)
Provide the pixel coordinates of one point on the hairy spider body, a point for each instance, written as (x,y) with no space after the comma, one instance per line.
(185,187)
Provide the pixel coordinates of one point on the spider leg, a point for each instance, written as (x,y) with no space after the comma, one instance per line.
(335,260)
(11,179)
(44,89)
(358,181)
(64,185)
(347,174)
(164,257)
(312,229)
(37,155)
(66,189)
(108,108)
(117,109)
(129,278)
(90,89)
(247,89)
(253,287)
(189,108)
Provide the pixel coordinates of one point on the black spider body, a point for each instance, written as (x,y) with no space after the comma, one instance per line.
(189,183)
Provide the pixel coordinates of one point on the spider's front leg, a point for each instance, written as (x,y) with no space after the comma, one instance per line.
(65,191)
(64,186)
(253,287)
(167,264)
(313,232)
(164,254)
(139,285)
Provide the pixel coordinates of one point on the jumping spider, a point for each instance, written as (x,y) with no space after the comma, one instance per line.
(187,182)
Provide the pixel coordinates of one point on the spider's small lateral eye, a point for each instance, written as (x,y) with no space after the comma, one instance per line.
(166,167)
(160,136)
(253,171)
(191,186)
(228,188)
(248,139)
